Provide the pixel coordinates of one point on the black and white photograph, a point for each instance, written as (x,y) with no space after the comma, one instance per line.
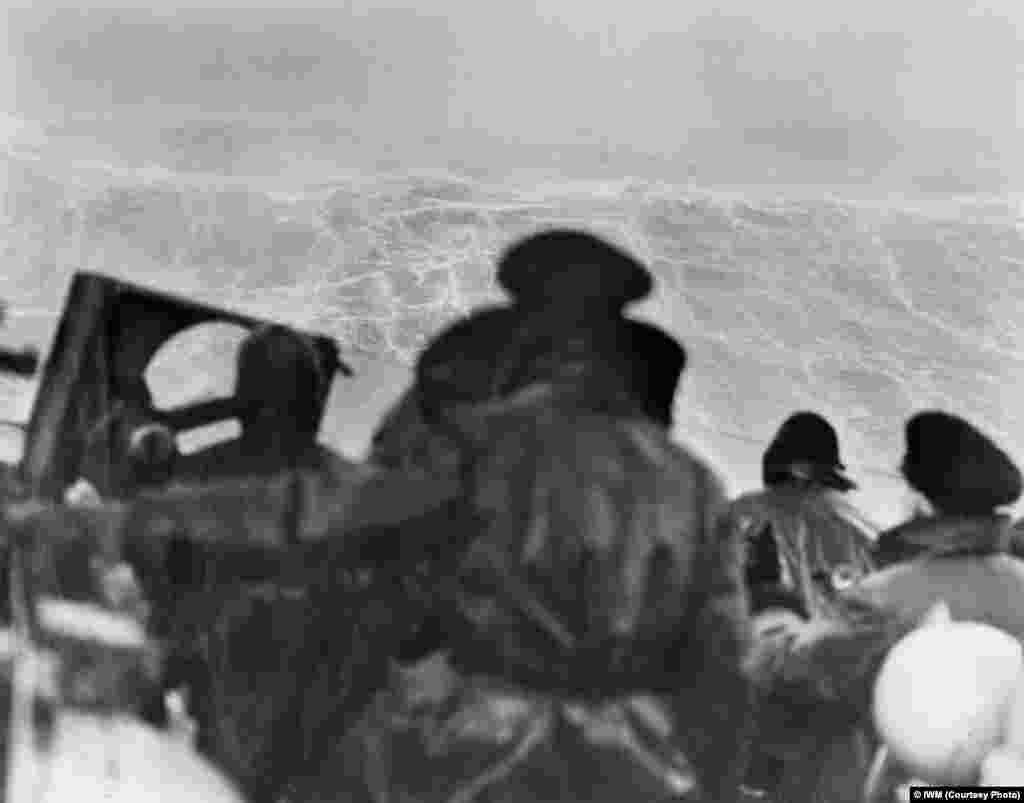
(541,401)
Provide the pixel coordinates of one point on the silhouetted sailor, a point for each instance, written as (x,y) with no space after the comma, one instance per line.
(964,478)
(566,323)
(565,326)
(280,386)
(956,553)
(959,552)
(598,576)
(280,382)
(799,532)
(800,536)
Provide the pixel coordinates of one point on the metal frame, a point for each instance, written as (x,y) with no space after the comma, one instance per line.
(109,332)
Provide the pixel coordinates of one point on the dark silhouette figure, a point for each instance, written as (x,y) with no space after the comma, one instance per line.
(958,553)
(260,625)
(597,573)
(565,323)
(803,539)
(966,480)
(279,384)
(961,552)
(800,533)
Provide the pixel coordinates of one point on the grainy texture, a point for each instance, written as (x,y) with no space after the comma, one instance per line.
(815,534)
(598,574)
(814,735)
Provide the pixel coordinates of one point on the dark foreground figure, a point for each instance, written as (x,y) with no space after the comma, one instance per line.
(586,642)
(799,532)
(595,625)
(532,595)
(233,640)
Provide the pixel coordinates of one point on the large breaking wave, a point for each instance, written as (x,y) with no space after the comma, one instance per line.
(862,309)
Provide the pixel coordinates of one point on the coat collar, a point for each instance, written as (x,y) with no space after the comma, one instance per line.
(943,536)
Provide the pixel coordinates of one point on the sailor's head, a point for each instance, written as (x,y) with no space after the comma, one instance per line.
(656,361)
(957,468)
(280,381)
(805,449)
(568,269)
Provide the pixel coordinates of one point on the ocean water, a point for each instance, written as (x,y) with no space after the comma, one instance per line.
(862,308)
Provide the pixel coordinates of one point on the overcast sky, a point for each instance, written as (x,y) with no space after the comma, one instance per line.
(864,84)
